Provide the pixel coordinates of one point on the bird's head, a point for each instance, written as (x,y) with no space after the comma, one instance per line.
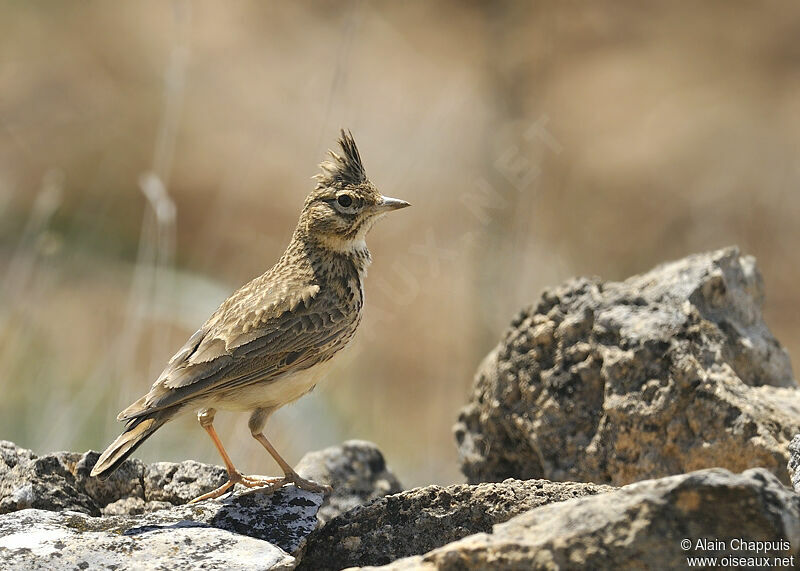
(345,204)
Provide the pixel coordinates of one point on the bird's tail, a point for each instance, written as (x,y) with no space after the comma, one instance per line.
(137,431)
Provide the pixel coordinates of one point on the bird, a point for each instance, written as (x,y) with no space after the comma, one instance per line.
(274,338)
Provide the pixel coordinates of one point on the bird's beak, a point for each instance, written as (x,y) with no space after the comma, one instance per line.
(388,204)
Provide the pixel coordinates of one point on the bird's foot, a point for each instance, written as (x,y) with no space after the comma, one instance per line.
(271,484)
(308,485)
(260,481)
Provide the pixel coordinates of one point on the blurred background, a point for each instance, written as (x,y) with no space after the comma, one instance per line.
(154,156)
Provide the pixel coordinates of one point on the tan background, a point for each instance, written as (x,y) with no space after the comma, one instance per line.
(537,141)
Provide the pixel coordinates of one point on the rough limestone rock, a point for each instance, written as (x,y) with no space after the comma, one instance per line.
(794,462)
(642,526)
(422,519)
(664,373)
(356,471)
(248,530)
(43,540)
(61,481)
(51,508)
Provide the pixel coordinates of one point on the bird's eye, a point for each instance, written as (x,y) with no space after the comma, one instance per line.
(344,200)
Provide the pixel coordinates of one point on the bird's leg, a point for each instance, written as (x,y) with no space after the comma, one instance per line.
(206,419)
(289,475)
(257,421)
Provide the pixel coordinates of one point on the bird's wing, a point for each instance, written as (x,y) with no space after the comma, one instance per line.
(258,334)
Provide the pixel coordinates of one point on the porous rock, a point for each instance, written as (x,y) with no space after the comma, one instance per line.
(794,462)
(356,471)
(667,372)
(422,519)
(654,524)
(61,481)
(145,516)
(248,530)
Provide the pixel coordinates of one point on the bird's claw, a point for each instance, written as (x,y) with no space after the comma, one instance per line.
(271,484)
(307,485)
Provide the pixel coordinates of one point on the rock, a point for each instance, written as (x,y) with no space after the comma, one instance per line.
(794,462)
(422,519)
(11,455)
(146,518)
(356,471)
(178,483)
(642,526)
(46,483)
(667,372)
(39,539)
(249,530)
(61,481)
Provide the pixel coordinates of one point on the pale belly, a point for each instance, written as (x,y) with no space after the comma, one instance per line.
(272,394)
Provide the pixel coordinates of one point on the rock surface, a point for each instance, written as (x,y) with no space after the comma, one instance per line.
(422,519)
(48,542)
(641,526)
(56,504)
(356,471)
(61,481)
(667,372)
(249,530)
(794,462)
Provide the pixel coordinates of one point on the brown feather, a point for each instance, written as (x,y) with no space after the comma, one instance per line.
(126,443)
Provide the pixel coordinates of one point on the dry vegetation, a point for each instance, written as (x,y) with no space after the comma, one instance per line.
(535,142)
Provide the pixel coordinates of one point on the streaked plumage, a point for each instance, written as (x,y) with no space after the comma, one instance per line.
(268,343)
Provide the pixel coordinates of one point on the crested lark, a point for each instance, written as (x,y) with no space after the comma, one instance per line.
(270,342)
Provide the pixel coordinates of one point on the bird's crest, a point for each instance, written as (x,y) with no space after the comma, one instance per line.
(342,170)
